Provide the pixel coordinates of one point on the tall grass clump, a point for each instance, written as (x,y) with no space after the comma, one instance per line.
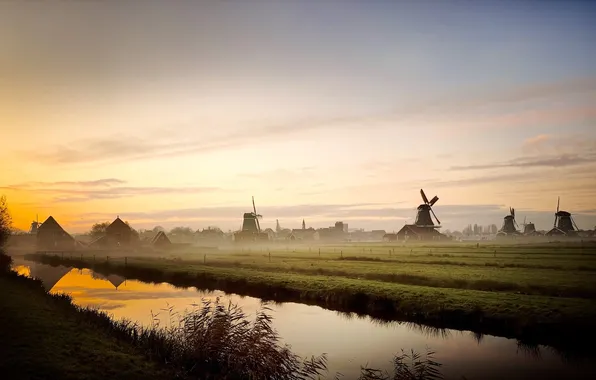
(407,366)
(215,341)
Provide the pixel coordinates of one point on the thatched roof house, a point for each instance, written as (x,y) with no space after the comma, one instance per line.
(51,236)
(119,233)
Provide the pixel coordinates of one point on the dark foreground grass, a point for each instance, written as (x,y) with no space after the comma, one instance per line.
(555,321)
(46,337)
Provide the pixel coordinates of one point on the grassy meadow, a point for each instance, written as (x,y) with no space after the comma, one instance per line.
(542,292)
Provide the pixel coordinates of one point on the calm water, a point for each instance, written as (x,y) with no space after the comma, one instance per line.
(349,341)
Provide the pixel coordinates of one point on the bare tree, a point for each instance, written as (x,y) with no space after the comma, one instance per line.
(5,221)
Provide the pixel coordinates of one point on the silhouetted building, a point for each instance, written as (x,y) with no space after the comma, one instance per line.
(336,233)
(414,232)
(161,240)
(119,233)
(306,234)
(51,236)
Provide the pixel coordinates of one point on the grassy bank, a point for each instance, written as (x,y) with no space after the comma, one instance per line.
(532,318)
(46,337)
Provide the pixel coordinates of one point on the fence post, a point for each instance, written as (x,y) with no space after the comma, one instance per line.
(93,258)
(342,254)
(389,253)
(125,261)
(107,259)
(269,256)
(205,259)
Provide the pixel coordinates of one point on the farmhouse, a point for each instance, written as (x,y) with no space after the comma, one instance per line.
(414,232)
(51,236)
(119,233)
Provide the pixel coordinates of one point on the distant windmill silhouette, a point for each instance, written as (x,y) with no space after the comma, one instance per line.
(509,224)
(423,218)
(530,229)
(251,228)
(564,223)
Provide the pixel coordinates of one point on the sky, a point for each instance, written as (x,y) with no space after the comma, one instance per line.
(176,113)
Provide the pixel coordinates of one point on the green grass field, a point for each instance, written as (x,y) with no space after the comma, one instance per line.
(532,290)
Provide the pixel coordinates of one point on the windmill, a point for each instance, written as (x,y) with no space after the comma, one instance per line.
(251,228)
(251,220)
(423,218)
(564,223)
(529,228)
(423,228)
(509,224)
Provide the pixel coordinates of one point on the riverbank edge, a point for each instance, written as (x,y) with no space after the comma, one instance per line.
(48,335)
(572,333)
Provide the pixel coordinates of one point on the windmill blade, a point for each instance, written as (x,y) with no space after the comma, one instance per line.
(258,225)
(558,201)
(253,205)
(573,221)
(513,213)
(434,200)
(438,221)
(424,198)
(524,220)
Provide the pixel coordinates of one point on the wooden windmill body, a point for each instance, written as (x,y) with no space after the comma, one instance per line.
(423,228)
(509,227)
(251,228)
(564,225)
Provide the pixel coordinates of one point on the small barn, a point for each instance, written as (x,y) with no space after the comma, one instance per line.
(414,232)
(161,240)
(119,233)
(51,236)
(390,237)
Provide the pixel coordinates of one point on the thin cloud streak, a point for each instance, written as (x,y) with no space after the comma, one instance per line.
(80,191)
(122,147)
(532,162)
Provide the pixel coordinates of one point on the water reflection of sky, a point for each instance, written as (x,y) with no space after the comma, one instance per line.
(349,341)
